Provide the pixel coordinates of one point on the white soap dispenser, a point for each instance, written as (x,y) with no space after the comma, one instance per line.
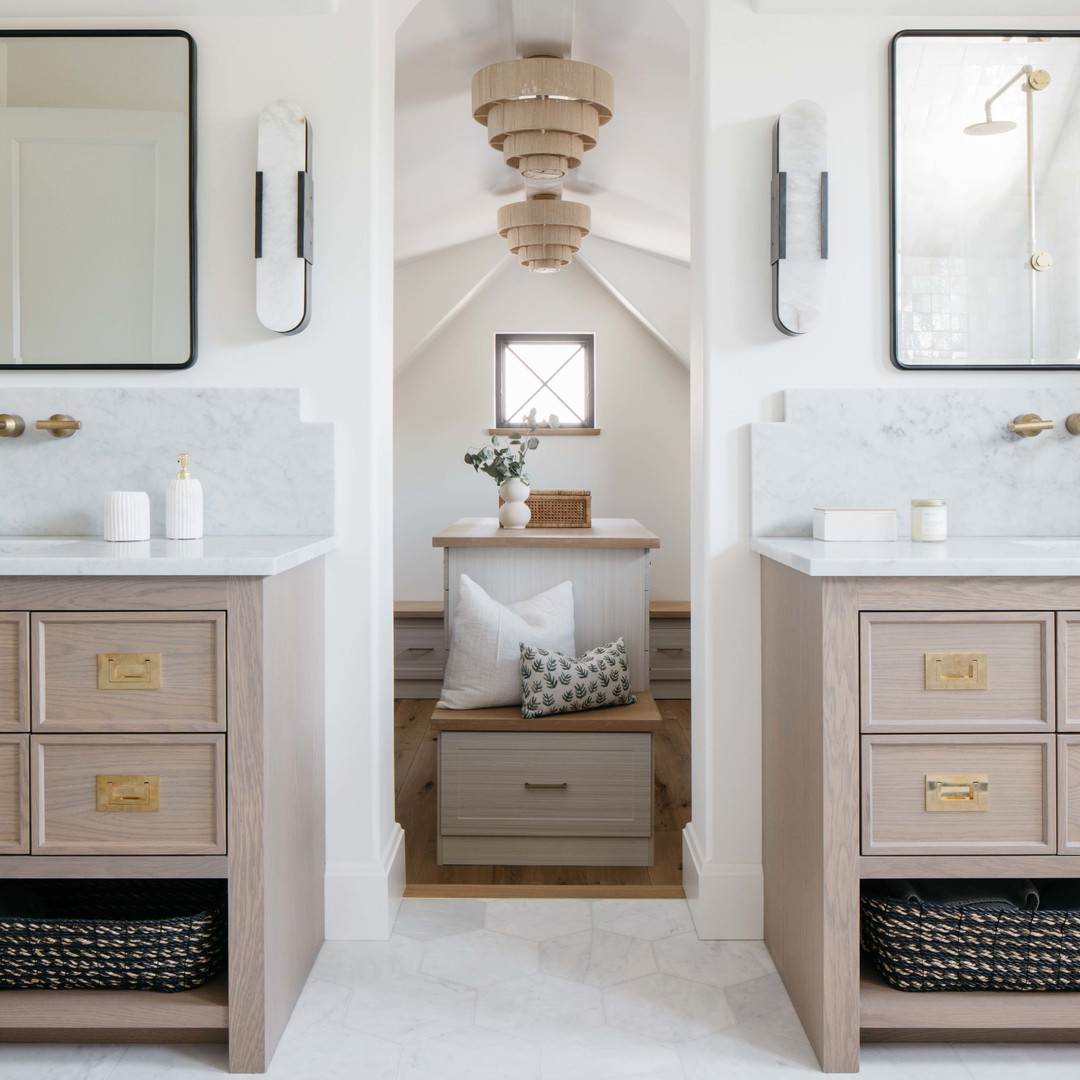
(183,505)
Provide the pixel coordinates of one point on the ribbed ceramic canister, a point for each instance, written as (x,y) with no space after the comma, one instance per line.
(127,515)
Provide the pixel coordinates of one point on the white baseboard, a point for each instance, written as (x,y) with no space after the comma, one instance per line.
(362,899)
(726,899)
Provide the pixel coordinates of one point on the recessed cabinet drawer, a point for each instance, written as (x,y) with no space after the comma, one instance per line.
(14,794)
(129,671)
(957,671)
(958,795)
(545,784)
(419,649)
(128,794)
(1068,670)
(1068,794)
(14,671)
(669,649)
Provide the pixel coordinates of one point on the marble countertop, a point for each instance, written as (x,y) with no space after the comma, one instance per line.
(214,556)
(962,556)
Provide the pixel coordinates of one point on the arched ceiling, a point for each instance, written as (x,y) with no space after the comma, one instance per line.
(450,183)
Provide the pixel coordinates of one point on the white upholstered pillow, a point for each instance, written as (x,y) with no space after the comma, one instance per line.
(483,669)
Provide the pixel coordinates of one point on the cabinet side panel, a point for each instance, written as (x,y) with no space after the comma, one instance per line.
(294,756)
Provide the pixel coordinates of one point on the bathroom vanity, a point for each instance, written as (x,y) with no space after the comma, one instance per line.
(193,671)
(901,680)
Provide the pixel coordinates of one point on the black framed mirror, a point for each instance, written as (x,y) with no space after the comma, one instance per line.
(97,182)
(985,181)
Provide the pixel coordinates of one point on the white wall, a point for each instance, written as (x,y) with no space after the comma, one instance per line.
(339,68)
(754,66)
(444,400)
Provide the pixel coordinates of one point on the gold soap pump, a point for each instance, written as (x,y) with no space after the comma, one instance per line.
(183,504)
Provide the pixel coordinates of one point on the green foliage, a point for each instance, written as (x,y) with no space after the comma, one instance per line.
(504,458)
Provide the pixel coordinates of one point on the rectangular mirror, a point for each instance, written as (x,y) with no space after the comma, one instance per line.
(986,199)
(97,181)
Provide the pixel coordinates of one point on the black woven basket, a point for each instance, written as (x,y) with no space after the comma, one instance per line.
(111,935)
(973,935)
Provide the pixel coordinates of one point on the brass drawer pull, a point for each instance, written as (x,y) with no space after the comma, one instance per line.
(957,792)
(129,671)
(562,785)
(137,794)
(956,671)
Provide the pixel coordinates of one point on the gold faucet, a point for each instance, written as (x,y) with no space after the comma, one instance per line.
(59,425)
(11,427)
(1029,425)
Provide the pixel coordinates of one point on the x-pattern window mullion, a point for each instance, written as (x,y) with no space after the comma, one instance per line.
(544,383)
(519,359)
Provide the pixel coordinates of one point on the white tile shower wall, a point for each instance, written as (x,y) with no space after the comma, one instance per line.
(879,447)
(263,471)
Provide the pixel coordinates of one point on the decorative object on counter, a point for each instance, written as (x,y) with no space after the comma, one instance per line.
(11,427)
(543,113)
(59,425)
(974,935)
(854,523)
(1029,425)
(167,936)
(183,504)
(284,213)
(560,509)
(800,218)
(503,461)
(929,521)
(482,670)
(555,683)
(127,515)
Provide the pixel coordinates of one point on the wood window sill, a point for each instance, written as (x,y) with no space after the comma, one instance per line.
(545,431)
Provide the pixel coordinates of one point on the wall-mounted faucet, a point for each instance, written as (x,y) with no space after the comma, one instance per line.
(1072,423)
(59,425)
(1030,424)
(11,427)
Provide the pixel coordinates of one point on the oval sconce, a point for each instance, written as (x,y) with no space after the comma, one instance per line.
(284,202)
(800,218)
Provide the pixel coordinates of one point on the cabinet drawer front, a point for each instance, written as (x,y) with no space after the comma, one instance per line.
(78,780)
(419,649)
(1017,817)
(14,794)
(88,673)
(669,649)
(957,671)
(545,784)
(14,671)
(1068,670)
(1068,794)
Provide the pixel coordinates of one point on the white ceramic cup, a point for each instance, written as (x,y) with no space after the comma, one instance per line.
(127,515)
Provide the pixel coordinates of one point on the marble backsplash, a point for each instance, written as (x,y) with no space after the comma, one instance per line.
(263,470)
(885,447)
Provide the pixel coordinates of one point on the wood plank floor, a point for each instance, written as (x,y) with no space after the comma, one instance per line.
(415,746)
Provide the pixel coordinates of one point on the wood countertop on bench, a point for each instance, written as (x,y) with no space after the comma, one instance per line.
(605,533)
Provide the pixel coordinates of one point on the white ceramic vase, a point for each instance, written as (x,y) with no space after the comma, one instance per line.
(514,513)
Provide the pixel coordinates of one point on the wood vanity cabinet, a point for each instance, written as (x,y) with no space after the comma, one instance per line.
(876,692)
(200,701)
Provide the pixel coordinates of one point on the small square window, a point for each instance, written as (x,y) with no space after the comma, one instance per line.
(551,373)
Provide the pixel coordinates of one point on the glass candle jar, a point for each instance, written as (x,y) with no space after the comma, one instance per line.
(928,521)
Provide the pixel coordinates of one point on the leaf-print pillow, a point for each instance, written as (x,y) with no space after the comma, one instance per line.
(552,683)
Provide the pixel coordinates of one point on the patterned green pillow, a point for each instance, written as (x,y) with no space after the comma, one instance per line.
(552,683)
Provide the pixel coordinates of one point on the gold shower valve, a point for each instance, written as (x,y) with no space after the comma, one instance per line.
(1041,260)
(1039,79)
(1029,425)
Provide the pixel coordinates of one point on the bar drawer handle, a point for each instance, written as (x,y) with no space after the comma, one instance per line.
(673,652)
(416,648)
(531,785)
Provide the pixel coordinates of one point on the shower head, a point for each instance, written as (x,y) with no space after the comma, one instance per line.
(990,127)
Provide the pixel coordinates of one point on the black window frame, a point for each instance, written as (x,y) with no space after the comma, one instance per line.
(587,341)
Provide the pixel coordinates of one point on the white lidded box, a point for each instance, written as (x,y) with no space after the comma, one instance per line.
(854,523)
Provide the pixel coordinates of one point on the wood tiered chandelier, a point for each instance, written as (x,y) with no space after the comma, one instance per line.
(543,113)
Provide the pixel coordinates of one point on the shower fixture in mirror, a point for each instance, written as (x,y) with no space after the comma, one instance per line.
(97,189)
(986,199)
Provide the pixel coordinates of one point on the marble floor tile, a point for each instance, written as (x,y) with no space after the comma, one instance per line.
(920,1061)
(540,1007)
(423,919)
(606,1054)
(321,1006)
(471,1054)
(649,920)
(596,957)
(667,1007)
(538,920)
(416,1007)
(480,957)
(763,1003)
(1020,1061)
(743,1053)
(55,1062)
(364,963)
(182,1061)
(718,963)
(341,1054)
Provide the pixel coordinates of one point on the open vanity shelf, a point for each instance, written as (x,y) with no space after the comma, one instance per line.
(853,730)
